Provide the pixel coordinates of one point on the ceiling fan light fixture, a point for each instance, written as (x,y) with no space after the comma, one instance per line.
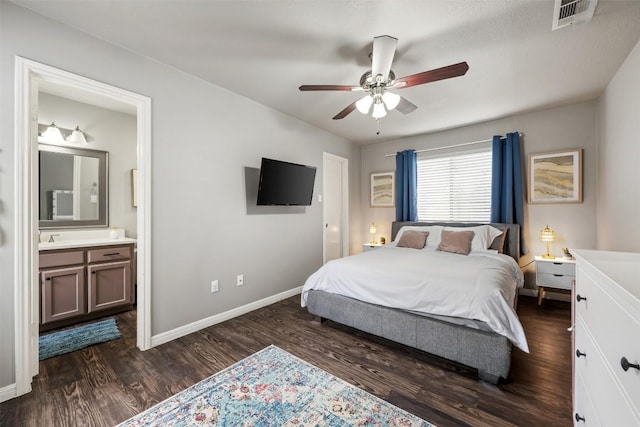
(391,100)
(364,104)
(378,111)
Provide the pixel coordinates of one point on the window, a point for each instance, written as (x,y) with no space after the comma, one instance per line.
(455,186)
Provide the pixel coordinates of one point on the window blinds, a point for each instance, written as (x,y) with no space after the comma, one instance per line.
(455,187)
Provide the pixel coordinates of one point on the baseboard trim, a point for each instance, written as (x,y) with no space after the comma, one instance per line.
(547,294)
(8,392)
(173,334)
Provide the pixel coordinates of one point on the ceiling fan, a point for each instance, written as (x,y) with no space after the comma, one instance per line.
(380,78)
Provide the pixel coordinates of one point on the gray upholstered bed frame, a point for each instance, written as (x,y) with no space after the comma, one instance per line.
(488,352)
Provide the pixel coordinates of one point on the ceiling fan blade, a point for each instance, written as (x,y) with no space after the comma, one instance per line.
(384,48)
(447,72)
(405,107)
(342,114)
(329,87)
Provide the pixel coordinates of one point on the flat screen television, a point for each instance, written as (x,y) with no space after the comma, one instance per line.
(285,184)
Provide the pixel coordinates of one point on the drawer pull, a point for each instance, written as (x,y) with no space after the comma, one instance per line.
(626,365)
(111,254)
(559,275)
(579,418)
(49,278)
(579,354)
(581,298)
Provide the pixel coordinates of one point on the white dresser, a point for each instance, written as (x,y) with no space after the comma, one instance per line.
(606,345)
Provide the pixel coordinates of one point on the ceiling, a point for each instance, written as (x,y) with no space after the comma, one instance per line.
(265,49)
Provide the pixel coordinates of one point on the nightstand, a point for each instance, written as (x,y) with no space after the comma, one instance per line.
(366,247)
(557,273)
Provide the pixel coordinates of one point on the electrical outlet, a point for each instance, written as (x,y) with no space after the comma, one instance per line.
(240,281)
(214,286)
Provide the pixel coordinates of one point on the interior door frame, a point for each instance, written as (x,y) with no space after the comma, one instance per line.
(26,286)
(345,202)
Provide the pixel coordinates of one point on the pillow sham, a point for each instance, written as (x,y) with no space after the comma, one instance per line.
(483,237)
(498,242)
(413,239)
(432,239)
(457,242)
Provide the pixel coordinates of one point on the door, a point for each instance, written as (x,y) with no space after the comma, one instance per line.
(109,285)
(336,216)
(62,294)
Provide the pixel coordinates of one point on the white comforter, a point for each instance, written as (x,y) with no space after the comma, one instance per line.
(481,286)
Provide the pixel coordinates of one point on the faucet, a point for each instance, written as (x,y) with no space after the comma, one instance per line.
(51,237)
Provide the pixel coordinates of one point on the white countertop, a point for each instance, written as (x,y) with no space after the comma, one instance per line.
(83,243)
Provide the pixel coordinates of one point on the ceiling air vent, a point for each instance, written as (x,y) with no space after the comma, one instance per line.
(569,12)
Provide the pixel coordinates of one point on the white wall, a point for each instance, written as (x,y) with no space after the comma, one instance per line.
(619,159)
(203,137)
(109,131)
(555,129)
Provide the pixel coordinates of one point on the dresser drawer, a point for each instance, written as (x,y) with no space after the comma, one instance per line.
(60,259)
(564,268)
(583,406)
(616,342)
(611,403)
(554,280)
(113,253)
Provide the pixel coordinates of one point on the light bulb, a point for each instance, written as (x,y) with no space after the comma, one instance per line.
(378,111)
(364,104)
(391,100)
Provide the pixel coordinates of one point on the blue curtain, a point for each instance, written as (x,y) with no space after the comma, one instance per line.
(507,201)
(406,186)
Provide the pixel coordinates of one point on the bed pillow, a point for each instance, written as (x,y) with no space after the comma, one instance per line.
(498,242)
(483,237)
(413,239)
(457,242)
(433,239)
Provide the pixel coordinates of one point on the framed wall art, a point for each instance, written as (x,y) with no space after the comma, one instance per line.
(382,189)
(555,177)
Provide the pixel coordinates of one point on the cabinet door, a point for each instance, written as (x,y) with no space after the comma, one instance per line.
(62,294)
(109,285)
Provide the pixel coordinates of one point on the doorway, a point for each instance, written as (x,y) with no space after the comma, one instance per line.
(336,207)
(29,76)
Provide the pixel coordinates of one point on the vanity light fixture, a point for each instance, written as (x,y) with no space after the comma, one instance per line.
(55,134)
(546,235)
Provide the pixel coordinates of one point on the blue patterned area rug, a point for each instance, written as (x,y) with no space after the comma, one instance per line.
(69,340)
(274,388)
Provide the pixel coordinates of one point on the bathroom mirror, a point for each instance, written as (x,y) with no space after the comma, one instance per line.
(73,187)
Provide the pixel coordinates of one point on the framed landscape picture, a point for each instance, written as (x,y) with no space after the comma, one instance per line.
(382,189)
(555,177)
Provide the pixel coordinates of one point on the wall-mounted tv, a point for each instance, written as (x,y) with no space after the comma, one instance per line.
(284,183)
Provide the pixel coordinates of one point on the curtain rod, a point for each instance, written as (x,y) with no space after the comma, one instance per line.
(450,146)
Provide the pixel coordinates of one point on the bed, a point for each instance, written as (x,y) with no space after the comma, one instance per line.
(462,308)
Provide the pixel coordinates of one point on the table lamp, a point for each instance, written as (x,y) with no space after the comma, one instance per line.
(372,231)
(546,235)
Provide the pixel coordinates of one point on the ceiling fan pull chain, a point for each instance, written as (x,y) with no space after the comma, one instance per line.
(378,126)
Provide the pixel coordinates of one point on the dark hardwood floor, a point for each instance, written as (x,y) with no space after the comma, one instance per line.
(110,382)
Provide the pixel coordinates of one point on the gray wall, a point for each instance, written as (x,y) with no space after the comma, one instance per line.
(109,131)
(555,129)
(203,138)
(619,159)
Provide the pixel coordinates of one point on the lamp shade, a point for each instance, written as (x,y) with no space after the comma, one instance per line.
(364,104)
(372,228)
(546,235)
(77,136)
(378,110)
(53,134)
(391,100)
